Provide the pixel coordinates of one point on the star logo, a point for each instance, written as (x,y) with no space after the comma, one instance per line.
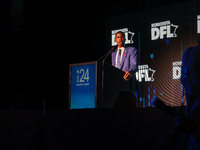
(151,56)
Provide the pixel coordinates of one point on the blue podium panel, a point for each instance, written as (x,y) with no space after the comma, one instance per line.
(82,90)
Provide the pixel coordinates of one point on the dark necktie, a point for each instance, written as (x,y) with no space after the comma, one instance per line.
(119,58)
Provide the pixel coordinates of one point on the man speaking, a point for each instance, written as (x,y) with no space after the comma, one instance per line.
(125,58)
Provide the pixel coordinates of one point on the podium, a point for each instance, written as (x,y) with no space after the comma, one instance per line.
(94,85)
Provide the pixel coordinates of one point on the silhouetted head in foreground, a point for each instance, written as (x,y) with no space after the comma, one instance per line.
(126,99)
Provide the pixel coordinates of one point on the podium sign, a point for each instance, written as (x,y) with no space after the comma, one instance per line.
(83,85)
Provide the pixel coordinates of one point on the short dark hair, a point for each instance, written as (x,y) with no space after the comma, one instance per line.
(120,32)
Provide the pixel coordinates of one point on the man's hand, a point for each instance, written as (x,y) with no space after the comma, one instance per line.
(127,75)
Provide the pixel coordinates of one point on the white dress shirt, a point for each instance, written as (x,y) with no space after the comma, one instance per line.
(122,51)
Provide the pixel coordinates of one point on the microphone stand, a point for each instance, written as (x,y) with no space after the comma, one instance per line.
(102,71)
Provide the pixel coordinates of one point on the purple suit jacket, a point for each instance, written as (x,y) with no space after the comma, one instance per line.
(129,59)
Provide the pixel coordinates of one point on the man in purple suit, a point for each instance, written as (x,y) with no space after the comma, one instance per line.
(125,58)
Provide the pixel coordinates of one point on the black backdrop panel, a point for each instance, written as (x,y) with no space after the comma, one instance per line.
(161,36)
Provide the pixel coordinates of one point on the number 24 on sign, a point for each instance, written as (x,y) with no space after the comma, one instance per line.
(83,75)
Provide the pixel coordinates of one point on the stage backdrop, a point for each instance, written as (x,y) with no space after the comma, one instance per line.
(160,36)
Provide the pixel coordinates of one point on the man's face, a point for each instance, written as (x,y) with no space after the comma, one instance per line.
(120,39)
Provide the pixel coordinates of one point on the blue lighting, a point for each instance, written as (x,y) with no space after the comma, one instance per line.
(167,41)
(151,56)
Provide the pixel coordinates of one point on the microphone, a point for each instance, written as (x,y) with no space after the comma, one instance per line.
(106,55)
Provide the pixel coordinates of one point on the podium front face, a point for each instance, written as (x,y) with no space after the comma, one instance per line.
(82,92)
(94,84)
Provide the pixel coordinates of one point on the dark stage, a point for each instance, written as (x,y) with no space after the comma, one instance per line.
(39,39)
